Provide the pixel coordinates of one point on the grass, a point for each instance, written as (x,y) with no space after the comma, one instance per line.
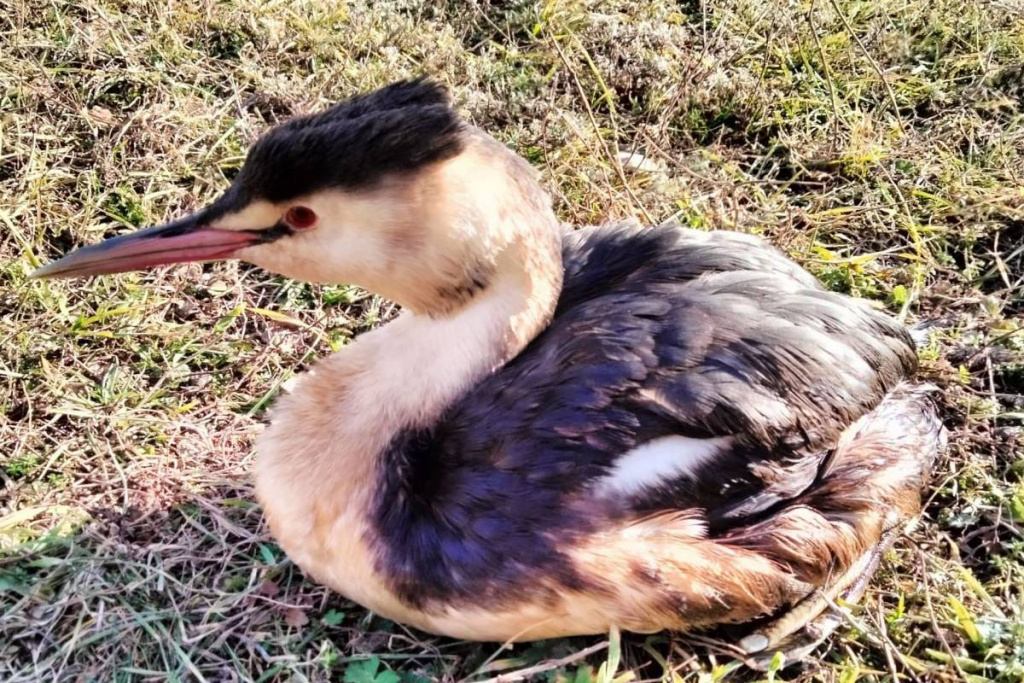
(880,142)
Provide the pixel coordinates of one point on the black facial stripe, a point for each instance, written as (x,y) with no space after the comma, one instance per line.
(181,226)
(273,233)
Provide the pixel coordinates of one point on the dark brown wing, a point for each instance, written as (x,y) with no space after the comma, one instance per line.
(659,332)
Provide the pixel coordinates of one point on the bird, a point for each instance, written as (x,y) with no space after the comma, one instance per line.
(566,430)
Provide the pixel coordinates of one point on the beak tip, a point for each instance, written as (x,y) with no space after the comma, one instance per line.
(182,241)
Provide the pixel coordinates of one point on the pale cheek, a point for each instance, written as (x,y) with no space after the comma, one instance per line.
(319,254)
(281,258)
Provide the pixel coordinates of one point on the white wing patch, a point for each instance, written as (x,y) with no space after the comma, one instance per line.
(657,462)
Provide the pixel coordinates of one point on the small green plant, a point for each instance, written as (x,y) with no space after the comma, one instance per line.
(369,671)
(22,466)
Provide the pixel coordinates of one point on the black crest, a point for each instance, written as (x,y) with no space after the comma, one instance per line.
(396,129)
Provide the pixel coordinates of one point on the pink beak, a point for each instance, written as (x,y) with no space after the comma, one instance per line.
(181,241)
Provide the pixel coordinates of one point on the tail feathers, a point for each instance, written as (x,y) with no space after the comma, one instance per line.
(886,457)
(872,483)
(665,571)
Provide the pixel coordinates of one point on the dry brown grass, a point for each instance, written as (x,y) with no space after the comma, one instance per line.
(881,143)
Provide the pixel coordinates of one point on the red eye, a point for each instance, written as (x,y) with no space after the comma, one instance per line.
(300,217)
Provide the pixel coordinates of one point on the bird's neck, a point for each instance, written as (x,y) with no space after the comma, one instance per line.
(328,435)
(422,362)
(483,284)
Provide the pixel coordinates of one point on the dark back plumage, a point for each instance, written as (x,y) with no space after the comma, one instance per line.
(658,332)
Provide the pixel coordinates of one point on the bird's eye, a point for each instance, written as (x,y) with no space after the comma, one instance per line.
(300,217)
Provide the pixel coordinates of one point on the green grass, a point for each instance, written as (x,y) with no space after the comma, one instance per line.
(881,143)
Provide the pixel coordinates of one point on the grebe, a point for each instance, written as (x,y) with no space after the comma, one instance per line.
(564,431)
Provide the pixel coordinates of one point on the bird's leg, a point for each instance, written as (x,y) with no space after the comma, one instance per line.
(799,630)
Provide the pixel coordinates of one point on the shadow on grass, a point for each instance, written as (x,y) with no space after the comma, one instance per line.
(199,592)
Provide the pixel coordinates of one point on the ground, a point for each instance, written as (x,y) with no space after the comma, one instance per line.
(879,142)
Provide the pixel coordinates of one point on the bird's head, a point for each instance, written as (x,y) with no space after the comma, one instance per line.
(389,190)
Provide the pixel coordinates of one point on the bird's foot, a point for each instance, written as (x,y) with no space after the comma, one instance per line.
(797,632)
